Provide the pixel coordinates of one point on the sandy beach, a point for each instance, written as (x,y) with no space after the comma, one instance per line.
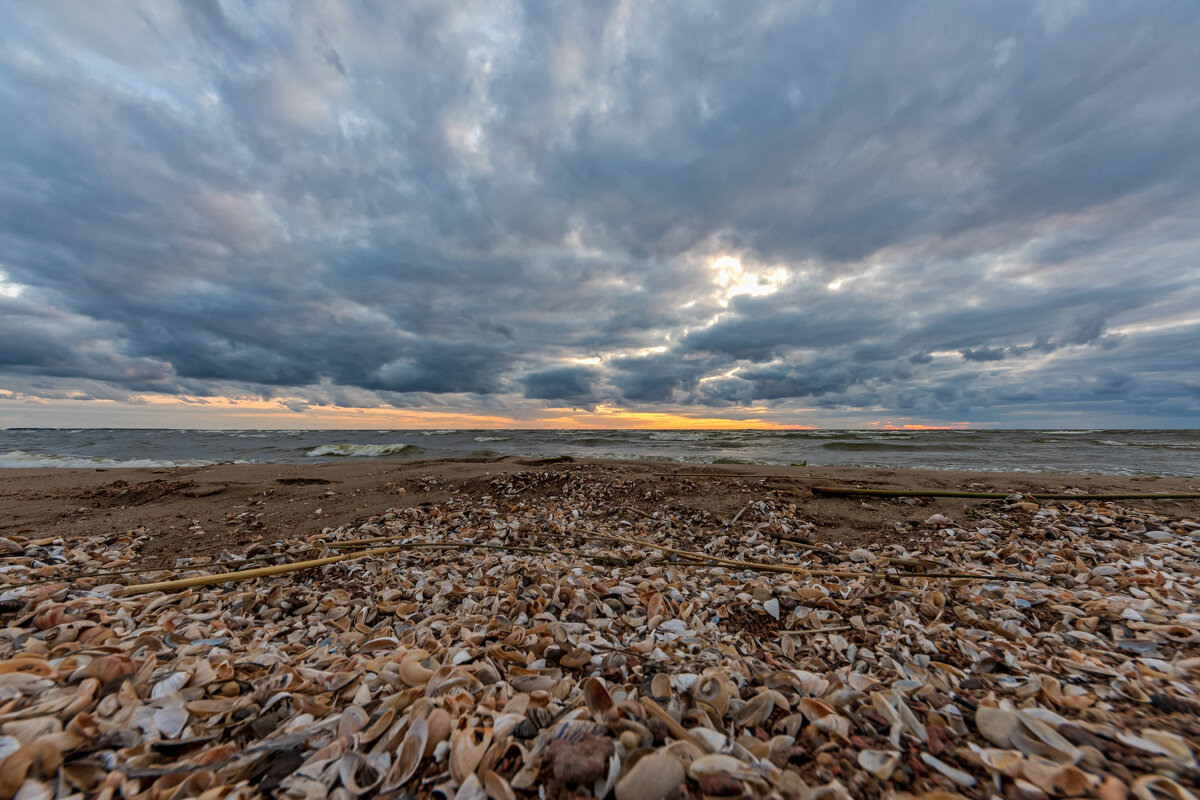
(519,628)
(204,510)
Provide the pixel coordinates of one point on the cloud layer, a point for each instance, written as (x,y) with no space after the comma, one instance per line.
(815,211)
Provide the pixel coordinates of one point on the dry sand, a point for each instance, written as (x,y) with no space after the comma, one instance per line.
(205,510)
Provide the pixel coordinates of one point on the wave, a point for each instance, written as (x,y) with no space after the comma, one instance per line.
(878,444)
(682,436)
(1167,445)
(445,432)
(492,438)
(19,459)
(361,450)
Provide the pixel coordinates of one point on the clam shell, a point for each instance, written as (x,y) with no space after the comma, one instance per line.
(880,763)
(496,787)
(359,774)
(598,701)
(1056,779)
(408,757)
(1159,787)
(997,725)
(713,689)
(653,777)
(466,752)
(757,710)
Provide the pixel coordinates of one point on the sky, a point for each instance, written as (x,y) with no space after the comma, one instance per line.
(603,214)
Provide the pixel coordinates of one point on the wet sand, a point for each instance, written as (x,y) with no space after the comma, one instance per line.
(232,507)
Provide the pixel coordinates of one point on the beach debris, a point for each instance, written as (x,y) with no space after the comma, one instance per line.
(558,644)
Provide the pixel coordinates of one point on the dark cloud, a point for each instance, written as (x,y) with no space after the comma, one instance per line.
(982,210)
(575,384)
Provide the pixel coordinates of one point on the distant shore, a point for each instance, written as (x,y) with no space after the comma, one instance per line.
(204,510)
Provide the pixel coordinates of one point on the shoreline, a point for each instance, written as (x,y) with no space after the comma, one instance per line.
(230,507)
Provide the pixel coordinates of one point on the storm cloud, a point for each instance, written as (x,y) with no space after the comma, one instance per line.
(980,212)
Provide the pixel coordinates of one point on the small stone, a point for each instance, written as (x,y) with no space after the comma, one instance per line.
(579,763)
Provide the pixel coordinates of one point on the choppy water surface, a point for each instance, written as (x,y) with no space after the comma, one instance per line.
(1157,452)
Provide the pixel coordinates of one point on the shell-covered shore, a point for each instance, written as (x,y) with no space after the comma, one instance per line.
(548,638)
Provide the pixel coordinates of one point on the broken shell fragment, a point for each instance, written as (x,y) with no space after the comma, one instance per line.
(880,763)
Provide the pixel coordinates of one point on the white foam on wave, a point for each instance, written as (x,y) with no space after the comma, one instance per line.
(359,450)
(438,433)
(19,459)
(492,438)
(681,436)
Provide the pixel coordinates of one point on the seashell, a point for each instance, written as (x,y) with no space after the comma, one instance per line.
(466,752)
(1159,787)
(997,725)
(408,757)
(1035,738)
(1005,762)
(34,790)
(653,777)
(684,752)
(757,710)
(497,788)
(439,723)
(715,741)
(27,665)
(1054,778)
(358,773)
(660,685)
(29,731)
(880,763)
(170,721)
(1162,743)
(413,673)
(470,789)
(713,689)
(956,775)
(601,787)
(352,720)
(772,607)
(1112,788)
(597,699)
(717,764)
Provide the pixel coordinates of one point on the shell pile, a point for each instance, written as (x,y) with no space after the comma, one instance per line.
(552,663)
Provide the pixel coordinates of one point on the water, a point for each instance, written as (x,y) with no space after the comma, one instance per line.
(1119,452)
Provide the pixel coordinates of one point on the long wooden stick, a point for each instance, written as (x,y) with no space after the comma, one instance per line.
(249,574)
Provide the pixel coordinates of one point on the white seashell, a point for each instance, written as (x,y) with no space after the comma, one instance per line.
(720,764)
(170,721)
(34,790)
(715,741)
(653,777)
(408,757)
(169,685)
(772,607)
(471,789)
(997,725)
(957,775)
(880,763)
(1161,743)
